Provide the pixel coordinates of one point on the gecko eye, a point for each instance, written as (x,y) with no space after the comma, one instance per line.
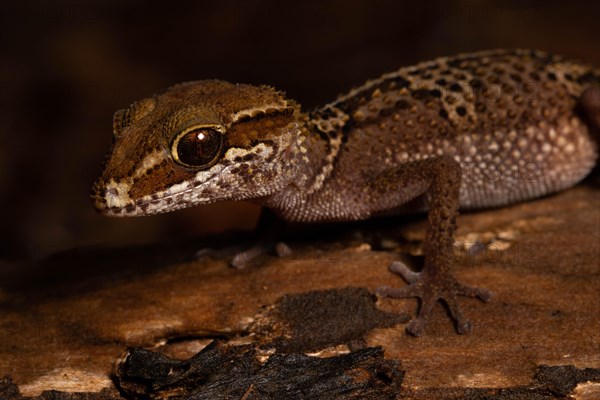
(199,147)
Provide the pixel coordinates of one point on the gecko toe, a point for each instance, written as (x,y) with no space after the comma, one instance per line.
(283,250)
(397,293)
(244,258)
(399,268)
(430,289)
(250,256)
(463,325)
(482,294)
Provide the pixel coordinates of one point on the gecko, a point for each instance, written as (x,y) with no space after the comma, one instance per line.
(471,131)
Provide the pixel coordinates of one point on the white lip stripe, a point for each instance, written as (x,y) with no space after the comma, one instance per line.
(117,194)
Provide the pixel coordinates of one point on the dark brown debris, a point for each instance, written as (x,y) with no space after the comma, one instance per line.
(236,372)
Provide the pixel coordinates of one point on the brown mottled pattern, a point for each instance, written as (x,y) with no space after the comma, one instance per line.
(509,118)
(475,130)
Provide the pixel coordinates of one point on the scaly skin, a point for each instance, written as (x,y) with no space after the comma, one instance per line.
(472,131)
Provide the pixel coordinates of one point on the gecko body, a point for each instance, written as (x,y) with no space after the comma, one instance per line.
(472,131)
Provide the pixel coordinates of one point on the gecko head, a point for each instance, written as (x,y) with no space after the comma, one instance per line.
(197,143)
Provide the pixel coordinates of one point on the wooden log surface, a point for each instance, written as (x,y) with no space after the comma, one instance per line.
(76,322)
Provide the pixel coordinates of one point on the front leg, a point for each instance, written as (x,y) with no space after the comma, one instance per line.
(439,180)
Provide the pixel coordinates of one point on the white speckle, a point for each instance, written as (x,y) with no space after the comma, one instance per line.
(530,131)
(570,148)
(546,147)
(493,146)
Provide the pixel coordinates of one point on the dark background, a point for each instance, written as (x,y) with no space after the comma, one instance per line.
(66,66)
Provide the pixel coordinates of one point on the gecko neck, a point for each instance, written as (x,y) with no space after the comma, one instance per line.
(320,147)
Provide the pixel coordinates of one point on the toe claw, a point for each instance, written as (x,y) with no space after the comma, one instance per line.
(464,326)
(482,294)
(416,326)
(485,295)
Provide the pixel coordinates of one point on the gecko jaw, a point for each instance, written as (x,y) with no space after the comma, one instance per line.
(112,199)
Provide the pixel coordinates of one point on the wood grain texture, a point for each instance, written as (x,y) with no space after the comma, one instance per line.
(68,321)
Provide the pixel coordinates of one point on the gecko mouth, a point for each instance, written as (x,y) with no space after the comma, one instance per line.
(112,198)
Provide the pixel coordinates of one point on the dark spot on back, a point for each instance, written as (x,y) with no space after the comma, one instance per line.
(386,112)
(400,82)
(436,93)
(455,87)
(519,67)
(476,83)
(444,113)
(323,135)
(421,94)
(587,77)
(402,104)
(552,76)
(461,111)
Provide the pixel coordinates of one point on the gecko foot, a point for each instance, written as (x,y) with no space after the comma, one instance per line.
(430,288)
(244,258)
